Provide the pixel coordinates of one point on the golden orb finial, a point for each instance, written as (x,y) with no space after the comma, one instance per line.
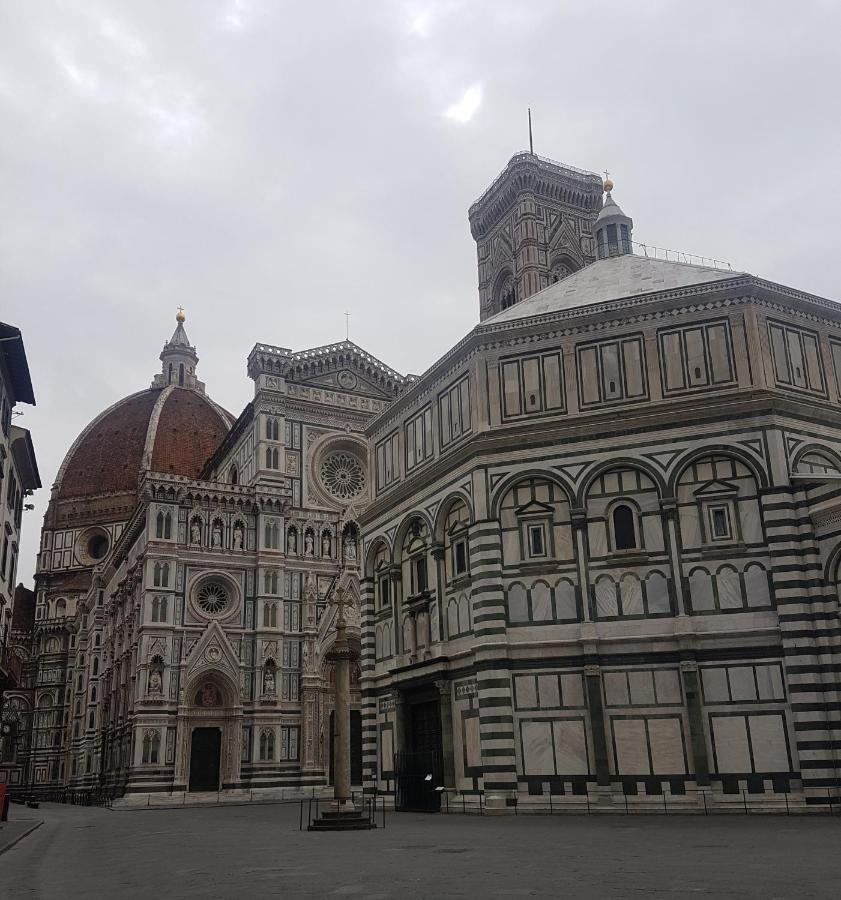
(179,316)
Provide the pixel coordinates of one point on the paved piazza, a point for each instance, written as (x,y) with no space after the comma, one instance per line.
(257,851)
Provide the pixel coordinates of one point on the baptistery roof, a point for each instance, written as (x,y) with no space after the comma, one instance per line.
(617,278)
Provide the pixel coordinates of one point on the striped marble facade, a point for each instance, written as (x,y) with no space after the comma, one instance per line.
(607,534)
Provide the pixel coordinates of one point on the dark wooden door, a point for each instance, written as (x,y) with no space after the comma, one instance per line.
(426,726)
(205,753)
(419,770)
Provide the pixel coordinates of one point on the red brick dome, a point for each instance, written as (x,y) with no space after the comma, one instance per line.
(173,430)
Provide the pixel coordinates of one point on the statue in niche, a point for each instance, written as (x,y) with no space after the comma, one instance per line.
(217,535)
(308,544)
(268,681)
(195,532)
(326,548)
(292,542)
(238,536)
(350,548)
(155,681)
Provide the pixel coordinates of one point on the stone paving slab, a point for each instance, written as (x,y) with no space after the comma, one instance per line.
(16,830)
(258,852)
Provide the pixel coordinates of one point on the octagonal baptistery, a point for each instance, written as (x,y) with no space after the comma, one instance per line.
(171,427)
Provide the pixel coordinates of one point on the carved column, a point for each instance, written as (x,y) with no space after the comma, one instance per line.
(446,712)
(695,714)
(310,684)
(413,636)
(593,681)
(440,581)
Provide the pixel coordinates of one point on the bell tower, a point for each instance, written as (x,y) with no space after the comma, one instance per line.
(532,227)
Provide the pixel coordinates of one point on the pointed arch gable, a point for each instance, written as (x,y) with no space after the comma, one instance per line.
(506,484)
(371,553)
(444,509)
(609,465)
(680,464)
(400,535)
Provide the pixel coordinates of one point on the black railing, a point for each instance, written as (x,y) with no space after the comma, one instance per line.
(91,797)
(373,807)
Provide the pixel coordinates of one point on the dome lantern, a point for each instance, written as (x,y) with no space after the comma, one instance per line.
(613,229)
(179,359)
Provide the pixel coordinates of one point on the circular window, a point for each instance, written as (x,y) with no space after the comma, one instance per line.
(97,546)
(92,546)
(213,598)
(342,475)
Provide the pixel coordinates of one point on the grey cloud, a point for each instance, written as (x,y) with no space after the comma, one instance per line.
(269,165)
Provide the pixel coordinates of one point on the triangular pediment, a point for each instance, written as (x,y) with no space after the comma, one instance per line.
(715,488)
(344,368)
(213,653)
(534,508)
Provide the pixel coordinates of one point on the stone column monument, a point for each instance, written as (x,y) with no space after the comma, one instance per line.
(343,816)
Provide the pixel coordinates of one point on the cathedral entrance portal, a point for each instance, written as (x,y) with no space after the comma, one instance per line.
(205,757)
(419,767)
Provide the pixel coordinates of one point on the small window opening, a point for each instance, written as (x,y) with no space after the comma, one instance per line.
(537,544)
(624,528)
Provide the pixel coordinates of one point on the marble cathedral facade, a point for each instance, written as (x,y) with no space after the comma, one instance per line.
(592,551)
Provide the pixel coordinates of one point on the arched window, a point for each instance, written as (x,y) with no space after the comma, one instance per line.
(267,746)
(624,528)
(165,575)
(181,374)
(159,527)
(265,615)
(91,722)
(272,429)
(268,457)
(234,475)
(169,377)
(157,575)
(275,463)
(60,607)
(506,293)
(95,669)
(162,610)
(273,616)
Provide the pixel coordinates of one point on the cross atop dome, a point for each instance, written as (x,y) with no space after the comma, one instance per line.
(179,359)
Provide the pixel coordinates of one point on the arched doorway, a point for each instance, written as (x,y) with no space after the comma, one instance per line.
(205,759)
(209,735)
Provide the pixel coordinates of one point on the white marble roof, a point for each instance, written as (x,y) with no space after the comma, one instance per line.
(611,279)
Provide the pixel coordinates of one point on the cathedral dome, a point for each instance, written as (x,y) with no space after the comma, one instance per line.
(171,429)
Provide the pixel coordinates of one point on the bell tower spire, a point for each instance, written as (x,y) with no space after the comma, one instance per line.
(532,227)
(179,359)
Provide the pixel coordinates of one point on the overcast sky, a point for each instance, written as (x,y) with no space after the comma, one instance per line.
(270,165)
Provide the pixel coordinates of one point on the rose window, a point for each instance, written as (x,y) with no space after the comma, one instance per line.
(212,598)
(342,475)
